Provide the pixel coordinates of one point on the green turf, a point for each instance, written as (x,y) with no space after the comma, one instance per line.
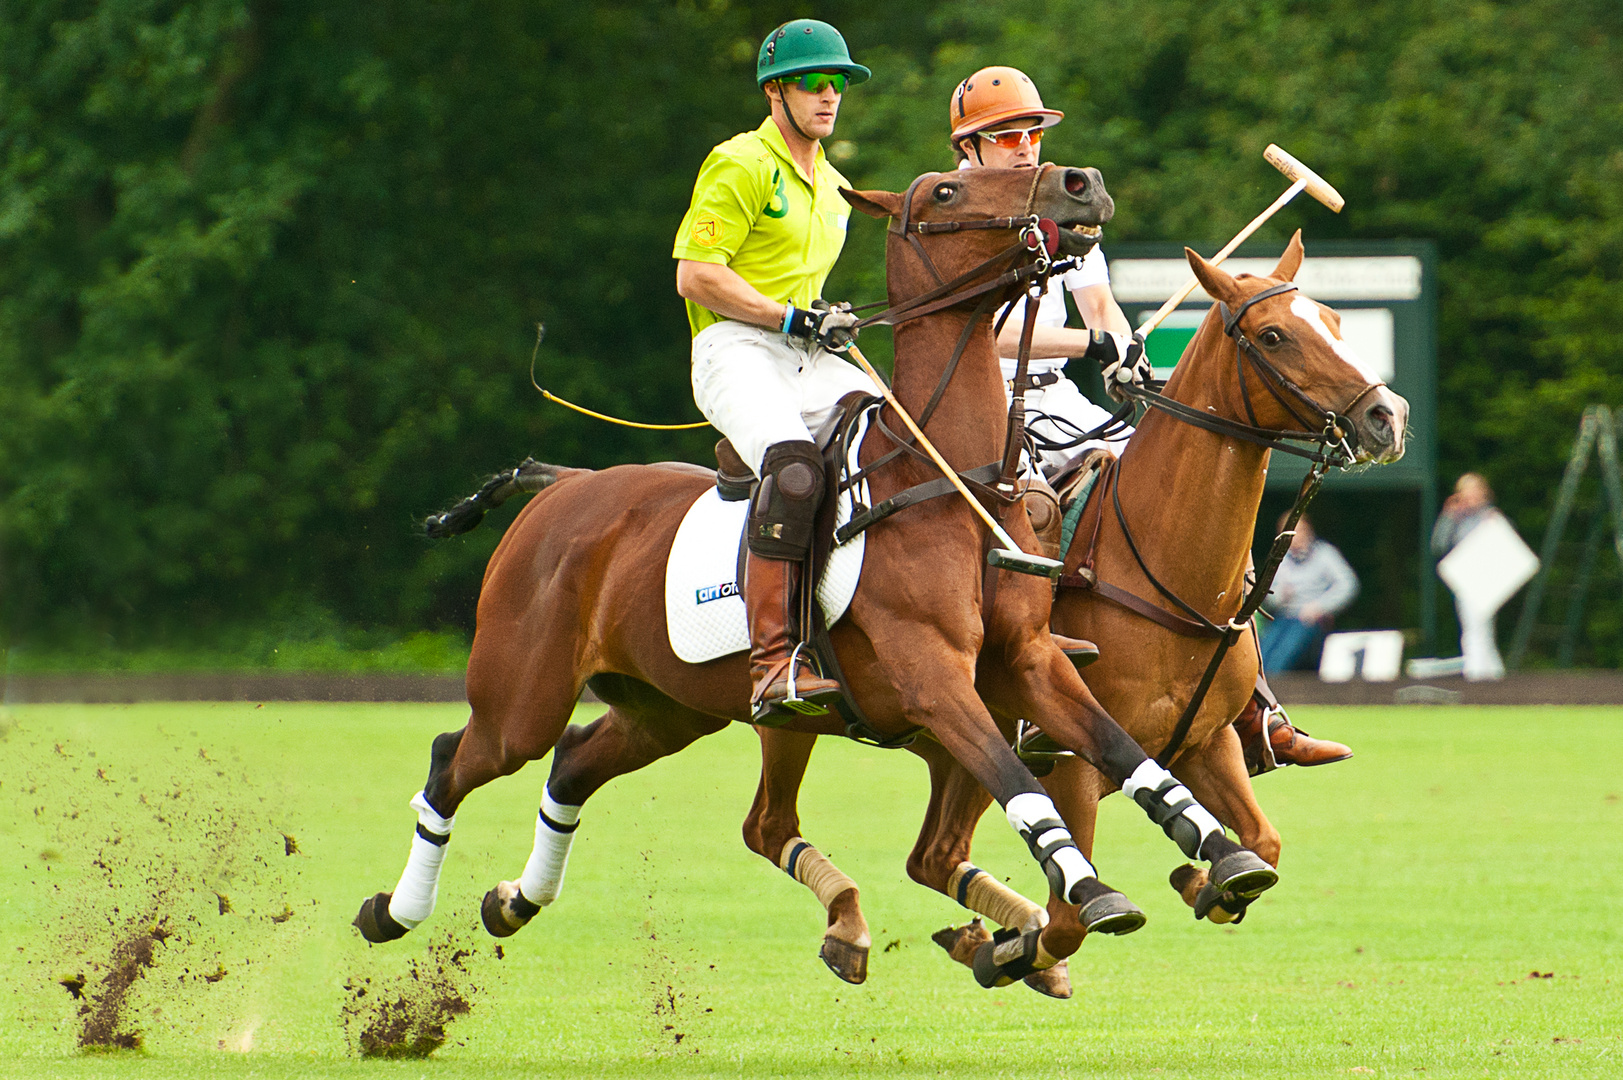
(1461,850)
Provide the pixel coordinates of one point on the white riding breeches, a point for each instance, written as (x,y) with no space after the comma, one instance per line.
(1064,400)
(759,387)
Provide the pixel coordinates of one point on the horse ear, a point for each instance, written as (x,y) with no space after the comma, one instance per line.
(1291,261)
(1214,279)
(877,204)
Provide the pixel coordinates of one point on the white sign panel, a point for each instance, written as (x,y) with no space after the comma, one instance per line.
(1488,566)
(1338,277)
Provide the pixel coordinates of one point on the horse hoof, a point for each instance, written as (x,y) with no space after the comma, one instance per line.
(1243,874)
(1112,913)
(505,911)
(961,942)
(374,923)
(1054,982)
(849,962)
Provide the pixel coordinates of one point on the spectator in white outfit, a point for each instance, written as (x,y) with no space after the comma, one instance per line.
(1469,506)
(1312,584)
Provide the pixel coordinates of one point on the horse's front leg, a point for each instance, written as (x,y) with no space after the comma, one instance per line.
(772,831)
(1216,774)
(1036,681)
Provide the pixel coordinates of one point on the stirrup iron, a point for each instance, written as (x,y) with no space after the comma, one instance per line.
(794,702)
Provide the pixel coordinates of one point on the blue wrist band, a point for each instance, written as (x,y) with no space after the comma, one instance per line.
(788,316)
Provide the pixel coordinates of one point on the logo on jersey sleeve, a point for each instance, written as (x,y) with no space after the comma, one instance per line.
(708,230)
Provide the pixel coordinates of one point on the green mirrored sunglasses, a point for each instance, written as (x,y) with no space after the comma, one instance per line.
(813,82)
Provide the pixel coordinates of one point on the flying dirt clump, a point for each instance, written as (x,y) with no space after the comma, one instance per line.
(104,1023)
(406,1015)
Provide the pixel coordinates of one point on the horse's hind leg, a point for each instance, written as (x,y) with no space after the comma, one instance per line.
(940,861)
(641,727)
(514,721)
(772,831)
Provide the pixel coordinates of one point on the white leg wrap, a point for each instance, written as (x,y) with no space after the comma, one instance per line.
(543,876)
(413,899)
(1027,810)
(1151,779)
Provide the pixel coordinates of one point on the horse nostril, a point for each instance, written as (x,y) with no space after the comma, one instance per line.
(1076,182)
(1380,418)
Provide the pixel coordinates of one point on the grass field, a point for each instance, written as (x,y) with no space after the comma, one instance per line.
(1424,882)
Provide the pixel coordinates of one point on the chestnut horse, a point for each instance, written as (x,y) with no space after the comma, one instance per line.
(569,593)
(1190,497)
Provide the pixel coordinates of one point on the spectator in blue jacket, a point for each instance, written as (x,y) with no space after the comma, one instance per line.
(1312,585)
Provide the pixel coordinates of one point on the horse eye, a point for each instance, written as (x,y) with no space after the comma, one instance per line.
(1271,337)
(944,192)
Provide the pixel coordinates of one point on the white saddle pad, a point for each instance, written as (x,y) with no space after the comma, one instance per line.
(703,608)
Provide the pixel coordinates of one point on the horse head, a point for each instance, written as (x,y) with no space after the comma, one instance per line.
(1299,370)
(969,216)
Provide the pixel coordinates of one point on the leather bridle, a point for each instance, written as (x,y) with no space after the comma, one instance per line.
(1336,446)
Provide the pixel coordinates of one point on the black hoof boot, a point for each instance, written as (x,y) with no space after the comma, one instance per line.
(1244,874)
(505,911)
(1009,956)
(1106,911)
(374,923)
(1220,906)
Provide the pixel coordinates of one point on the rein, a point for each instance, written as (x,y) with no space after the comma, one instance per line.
(1039,238)
(1335,442)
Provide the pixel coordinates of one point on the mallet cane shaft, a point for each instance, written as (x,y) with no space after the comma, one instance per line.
(1012,558)
(1305,180)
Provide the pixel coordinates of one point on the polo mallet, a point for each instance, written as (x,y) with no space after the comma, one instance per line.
(1009,556)
(1306,180)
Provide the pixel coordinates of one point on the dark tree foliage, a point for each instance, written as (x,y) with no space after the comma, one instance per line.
(270,272)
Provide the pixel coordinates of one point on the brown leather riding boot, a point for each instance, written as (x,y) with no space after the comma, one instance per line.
(1288,745)
(769,591)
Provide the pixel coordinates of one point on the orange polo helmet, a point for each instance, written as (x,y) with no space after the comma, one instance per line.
(995,94)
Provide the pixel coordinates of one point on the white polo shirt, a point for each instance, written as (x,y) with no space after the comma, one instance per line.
(1051,308)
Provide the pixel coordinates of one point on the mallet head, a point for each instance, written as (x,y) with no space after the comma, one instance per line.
(1295,170)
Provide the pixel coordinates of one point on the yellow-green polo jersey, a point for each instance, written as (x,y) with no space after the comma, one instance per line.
(755,211)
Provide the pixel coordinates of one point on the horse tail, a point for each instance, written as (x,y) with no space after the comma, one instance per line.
(530,476)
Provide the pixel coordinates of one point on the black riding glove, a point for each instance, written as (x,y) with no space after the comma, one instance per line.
(1121,360)
(833,327)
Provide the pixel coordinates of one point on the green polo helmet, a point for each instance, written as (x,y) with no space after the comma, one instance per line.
(805,45)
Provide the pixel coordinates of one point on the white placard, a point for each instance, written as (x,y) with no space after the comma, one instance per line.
(1488,566)
(1333,277)
(1381,651)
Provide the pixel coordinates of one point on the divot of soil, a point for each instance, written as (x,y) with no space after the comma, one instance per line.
(406,1015)
(105,1024)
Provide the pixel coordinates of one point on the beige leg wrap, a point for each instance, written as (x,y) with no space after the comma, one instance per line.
(812,869)
(1045,959)
(990,897)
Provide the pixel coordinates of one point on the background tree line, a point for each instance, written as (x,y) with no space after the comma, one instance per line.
(269,272)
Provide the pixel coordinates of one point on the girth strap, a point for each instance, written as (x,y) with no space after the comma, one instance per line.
(918,493)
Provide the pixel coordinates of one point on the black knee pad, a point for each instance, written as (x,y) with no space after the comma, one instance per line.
(783,513)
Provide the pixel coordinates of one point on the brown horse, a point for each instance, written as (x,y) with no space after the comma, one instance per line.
(569,594)
(1190,497)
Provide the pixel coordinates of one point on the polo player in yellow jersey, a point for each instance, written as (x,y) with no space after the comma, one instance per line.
(764,228)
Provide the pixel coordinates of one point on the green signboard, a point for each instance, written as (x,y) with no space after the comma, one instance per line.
(1386,294)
